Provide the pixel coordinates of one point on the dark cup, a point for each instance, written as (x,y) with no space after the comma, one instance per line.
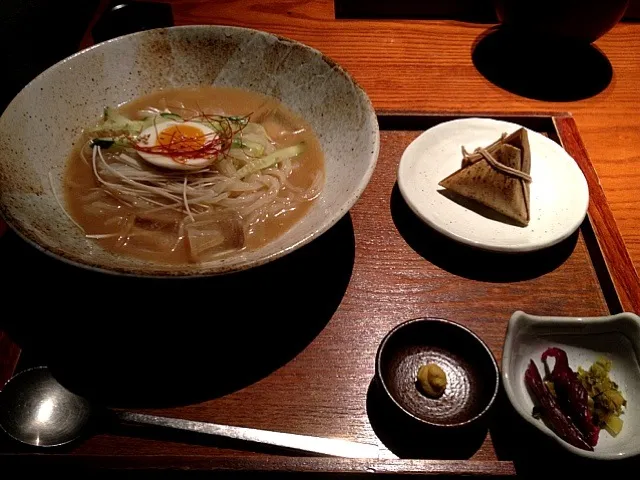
(582,21)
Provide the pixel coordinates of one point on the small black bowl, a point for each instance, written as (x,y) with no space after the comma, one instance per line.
(472,373)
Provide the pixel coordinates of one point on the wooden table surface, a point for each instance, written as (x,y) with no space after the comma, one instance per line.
(426,65)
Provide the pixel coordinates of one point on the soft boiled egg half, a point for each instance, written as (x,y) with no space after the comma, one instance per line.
(178,145)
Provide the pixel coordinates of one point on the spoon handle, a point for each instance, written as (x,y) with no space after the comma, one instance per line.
(326,446)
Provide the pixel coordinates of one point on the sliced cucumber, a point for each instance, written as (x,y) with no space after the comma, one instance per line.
(270,160)
(172,116)
(253,149)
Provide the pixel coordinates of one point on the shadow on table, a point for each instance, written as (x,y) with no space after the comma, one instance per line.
(471,262)
(131,342)
(554,72)
(536,456)
(409,439)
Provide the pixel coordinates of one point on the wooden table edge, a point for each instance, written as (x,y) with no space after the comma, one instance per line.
(616,256)
(281,464)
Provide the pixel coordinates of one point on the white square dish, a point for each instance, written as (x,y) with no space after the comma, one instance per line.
(585,339)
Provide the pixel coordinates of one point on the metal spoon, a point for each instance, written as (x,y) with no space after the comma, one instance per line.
(35,409)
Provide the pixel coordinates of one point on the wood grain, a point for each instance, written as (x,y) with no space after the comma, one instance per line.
(619,264)
(427,65)
(398,269)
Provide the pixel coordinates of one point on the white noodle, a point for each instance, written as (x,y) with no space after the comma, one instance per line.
(103,235)
(186,202)
(82,154)
(142,186)
(119,199)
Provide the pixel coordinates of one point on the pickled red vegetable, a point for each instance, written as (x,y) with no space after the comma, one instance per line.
(557,420)
(571,394)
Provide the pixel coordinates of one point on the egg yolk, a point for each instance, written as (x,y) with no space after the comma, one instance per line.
(180,138)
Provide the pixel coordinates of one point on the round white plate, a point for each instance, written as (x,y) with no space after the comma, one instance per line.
(559,191)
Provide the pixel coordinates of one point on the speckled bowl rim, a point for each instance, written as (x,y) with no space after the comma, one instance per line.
(160,272)
(382,383)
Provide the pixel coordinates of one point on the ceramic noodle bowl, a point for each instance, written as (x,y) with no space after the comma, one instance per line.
(40,126)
